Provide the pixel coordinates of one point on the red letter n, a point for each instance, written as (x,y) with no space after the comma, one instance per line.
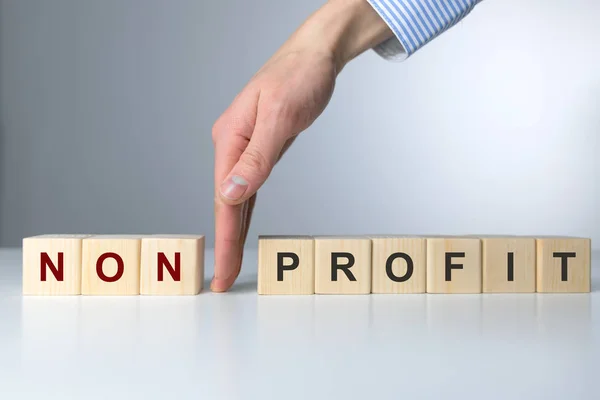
(45,261)
(163,262)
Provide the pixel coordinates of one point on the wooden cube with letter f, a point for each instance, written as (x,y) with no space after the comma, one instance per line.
(453,265)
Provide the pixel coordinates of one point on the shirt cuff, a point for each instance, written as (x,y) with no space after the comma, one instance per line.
(416,22)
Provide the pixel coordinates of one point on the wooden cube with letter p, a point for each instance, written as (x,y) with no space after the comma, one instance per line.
(563,264)
(342,265)
(111,265)
(286,265)
(172,265)
(453,265)
(52,264)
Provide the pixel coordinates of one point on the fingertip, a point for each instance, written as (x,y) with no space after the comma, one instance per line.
(219,285)
(231,202)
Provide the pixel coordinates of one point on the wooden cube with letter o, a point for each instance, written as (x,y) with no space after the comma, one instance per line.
(111,265)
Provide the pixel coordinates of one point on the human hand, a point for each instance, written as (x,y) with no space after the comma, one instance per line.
(283,99)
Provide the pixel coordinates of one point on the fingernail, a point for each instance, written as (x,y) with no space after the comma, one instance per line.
(234,187)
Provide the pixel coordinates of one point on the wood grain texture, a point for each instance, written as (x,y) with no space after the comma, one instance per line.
(128,248)
(497,253)
(184,274)
(467,279)
(300,280)
(70,247)
(413,247)
(549,265)
(359,248)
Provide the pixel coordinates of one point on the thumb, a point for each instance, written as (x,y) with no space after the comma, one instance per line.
(253,168)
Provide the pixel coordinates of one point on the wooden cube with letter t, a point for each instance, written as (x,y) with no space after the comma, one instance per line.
(342,265)
(172,265)
(52,264)
(111,265)
(453,265)
(563,264)
(286,265)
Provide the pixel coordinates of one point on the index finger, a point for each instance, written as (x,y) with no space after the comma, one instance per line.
(230,143)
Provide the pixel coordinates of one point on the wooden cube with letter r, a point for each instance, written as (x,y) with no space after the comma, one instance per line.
(286,265)
(343,265)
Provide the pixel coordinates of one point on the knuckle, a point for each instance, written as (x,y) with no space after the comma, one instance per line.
(231,125)
(287,114)
(278,106)
(217,128)
(255,161)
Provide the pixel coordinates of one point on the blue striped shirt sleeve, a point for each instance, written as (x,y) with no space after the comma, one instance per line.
(417,22)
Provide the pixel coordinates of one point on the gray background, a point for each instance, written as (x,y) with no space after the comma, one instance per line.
(107,105)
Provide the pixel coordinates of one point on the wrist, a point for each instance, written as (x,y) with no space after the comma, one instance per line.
(343,29)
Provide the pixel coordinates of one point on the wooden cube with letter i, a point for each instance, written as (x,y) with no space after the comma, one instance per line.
(508,264)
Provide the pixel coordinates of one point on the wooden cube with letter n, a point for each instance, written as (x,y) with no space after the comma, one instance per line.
(111,265)
(399,264)
(453,265)
(172,265)
(286,265)
(508,264)
(342,265)
(52,264)
(563,264)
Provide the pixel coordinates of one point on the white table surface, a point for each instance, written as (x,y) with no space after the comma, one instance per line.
(241,346)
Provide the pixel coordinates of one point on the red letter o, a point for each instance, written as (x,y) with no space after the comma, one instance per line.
(120,267)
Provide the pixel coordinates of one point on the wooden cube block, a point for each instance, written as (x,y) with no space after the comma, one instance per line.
(111,265)
(172,265)
(52,264)
(286,265)
(563,265)
(342,265)
(508,264)
(399,264)
(453,265)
